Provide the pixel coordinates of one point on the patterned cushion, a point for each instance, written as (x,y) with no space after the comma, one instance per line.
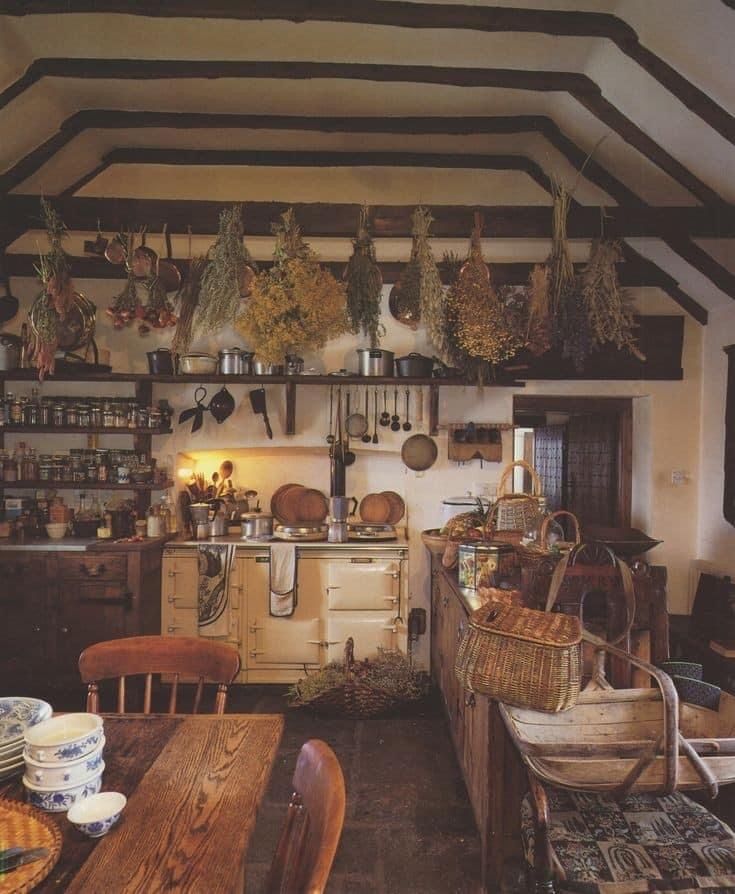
(645,842)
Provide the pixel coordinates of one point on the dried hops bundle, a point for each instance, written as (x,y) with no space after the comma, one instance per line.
(227,277)
(608,307)
(364,284)
(188,301)
(482,325)
(295,306)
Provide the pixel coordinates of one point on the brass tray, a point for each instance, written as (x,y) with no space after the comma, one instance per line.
(21,824)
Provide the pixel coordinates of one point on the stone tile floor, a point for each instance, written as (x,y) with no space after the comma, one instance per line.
(409,827)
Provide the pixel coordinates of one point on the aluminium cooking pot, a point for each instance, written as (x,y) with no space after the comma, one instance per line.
(256,525)
(375,362)
(415,365)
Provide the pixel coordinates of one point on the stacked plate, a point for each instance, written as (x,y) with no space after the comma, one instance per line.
(17,714)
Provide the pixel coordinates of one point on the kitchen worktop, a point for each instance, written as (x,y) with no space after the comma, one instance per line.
(399,542)
(82,544)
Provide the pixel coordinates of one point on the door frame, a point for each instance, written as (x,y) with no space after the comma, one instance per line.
(619,407)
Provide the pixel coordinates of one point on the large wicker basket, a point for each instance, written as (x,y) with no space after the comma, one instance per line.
(512,513)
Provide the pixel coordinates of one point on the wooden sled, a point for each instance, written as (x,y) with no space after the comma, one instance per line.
(628,740)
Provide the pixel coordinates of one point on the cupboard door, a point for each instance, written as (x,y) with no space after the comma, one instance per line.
(475,754)
(180,579)
(25,632)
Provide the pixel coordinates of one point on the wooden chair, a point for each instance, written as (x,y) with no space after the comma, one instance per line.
(311,832)
(205,660)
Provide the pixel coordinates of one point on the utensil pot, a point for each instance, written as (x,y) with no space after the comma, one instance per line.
(375,362)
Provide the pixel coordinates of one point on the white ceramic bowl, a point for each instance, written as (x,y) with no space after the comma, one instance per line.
(64,738)
(56,530)
(59,775)
(96,815)
(57,800)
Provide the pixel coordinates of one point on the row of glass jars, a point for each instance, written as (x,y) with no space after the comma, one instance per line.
(84,466)
(88,413)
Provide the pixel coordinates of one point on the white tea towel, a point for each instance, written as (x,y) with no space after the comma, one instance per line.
(215,561)
(282,579)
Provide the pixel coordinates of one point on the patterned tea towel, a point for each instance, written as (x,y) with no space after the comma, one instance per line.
(282,580)
(215,561)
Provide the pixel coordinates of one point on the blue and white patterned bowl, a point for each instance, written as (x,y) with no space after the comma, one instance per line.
(96,815)
(56,774)
(64,738)
(58,800)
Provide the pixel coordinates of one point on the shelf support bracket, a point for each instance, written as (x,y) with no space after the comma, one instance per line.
(290,408)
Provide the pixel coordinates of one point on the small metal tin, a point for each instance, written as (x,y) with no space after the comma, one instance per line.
(230,362)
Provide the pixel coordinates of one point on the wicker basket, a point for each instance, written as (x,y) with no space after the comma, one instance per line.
(522,657)
(512,513)
(353,696)
(531,554)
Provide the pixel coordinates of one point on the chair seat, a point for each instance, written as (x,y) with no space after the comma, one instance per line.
(641,843)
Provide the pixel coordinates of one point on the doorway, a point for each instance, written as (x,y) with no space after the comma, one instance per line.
(581,448)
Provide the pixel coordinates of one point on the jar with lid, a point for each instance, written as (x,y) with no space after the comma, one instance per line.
(95,414)
(58,414)
(44,412)
(30,414)
(83,416)
(155,418)
(108,415)
(133,421)
(16,412)
(153,523)
(121,416)
(10,470)
(72,415)
(45,469)
(29,466)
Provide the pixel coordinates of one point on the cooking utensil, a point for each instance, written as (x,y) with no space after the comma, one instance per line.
(375,509)
(116,251)
(168,273)
(9,351)
(300,532)
(356,425)
(160,362)
(370,532)
(256,525)
(407,425)
(374,362)
(419,452)
(197,364)
(349,455)
(416,365)
(366,437)
(260,368)
(385,415)
(420,409)
(222,405)
(8,302)
(395,424)
(397,506)
(375,418)
(330,436)
(230,362)
(257,402)
(13,857)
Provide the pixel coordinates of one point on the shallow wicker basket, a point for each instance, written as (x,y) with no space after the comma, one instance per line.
(531,554)
(434,541)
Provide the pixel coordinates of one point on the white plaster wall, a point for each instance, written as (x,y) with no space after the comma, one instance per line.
(666,435)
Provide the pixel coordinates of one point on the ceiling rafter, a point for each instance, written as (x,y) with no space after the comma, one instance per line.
(494,19)
(579,86)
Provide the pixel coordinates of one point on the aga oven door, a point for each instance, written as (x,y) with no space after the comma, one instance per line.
(370,630)
(363,583)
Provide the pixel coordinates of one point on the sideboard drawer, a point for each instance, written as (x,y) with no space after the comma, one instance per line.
(92,568)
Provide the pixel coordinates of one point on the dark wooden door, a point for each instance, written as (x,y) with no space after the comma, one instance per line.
(590,479)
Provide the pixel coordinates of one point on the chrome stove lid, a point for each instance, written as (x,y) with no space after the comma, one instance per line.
(371,532)
(300,532)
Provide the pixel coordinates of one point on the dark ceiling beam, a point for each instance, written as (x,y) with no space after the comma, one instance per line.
(488,19)
(667,283)
(338,219)
(632,274)
(582,88)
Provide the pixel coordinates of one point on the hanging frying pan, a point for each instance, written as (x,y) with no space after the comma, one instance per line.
(419,452)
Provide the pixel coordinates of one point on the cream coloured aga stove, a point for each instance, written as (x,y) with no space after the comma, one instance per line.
(342,590)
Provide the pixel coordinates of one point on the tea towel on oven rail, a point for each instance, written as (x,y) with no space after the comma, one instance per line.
(282,602)
(215,562)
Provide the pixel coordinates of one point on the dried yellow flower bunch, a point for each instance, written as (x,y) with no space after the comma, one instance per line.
(295,306)
(482,327)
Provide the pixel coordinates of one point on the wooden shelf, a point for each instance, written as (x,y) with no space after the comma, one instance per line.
(80,430)
(85,485)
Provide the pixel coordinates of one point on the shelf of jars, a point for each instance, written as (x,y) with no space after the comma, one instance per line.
(79,430)
(38,484)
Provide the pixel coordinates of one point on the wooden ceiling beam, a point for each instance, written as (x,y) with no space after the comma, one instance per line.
(581,87)
(339,219)
(487,19)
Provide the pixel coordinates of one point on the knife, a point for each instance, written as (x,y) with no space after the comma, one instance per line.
(13,857)
(257,402)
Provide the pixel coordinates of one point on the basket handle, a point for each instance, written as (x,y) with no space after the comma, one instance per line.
(536,485)
(349,656)
(543,533)
(626,577)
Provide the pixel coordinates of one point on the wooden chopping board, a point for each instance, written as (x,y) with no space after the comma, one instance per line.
(285,503)
(397,506)
(375,509)
(312,506)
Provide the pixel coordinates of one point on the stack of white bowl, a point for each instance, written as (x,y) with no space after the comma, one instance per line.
(17,714)
(63,758)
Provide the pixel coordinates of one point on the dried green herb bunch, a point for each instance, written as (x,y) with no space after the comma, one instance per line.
(188,301)
(364,284)
(561,268)
(484,328)
(295,306)
(227,277)
(609,308)
(431,291)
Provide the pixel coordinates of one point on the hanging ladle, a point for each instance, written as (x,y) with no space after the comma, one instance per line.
(395,418)
(407,425)
(330,436)
(366,437)
(385,415)
(375,419)
(349,455)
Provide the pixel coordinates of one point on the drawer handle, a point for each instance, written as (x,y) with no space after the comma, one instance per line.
(93,570)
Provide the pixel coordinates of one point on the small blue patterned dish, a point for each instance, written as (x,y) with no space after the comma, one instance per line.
(682,668)
(697,692)
(96,815)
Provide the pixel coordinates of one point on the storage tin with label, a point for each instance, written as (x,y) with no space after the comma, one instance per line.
(485,564)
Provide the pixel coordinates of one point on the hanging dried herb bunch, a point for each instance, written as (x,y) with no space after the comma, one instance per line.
(188,301)
(539,329)
(55,300)
(364,284)
(297,305)
(483,327)
(228,275)
(431,291)
(561,268)
(609,308)
(126,305)
(419,278)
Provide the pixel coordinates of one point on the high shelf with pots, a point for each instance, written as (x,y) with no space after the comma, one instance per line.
(142,437)
(144,382)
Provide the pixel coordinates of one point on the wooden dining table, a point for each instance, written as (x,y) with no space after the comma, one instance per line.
(193,783)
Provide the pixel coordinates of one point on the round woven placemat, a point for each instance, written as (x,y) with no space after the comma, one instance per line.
(26,826)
